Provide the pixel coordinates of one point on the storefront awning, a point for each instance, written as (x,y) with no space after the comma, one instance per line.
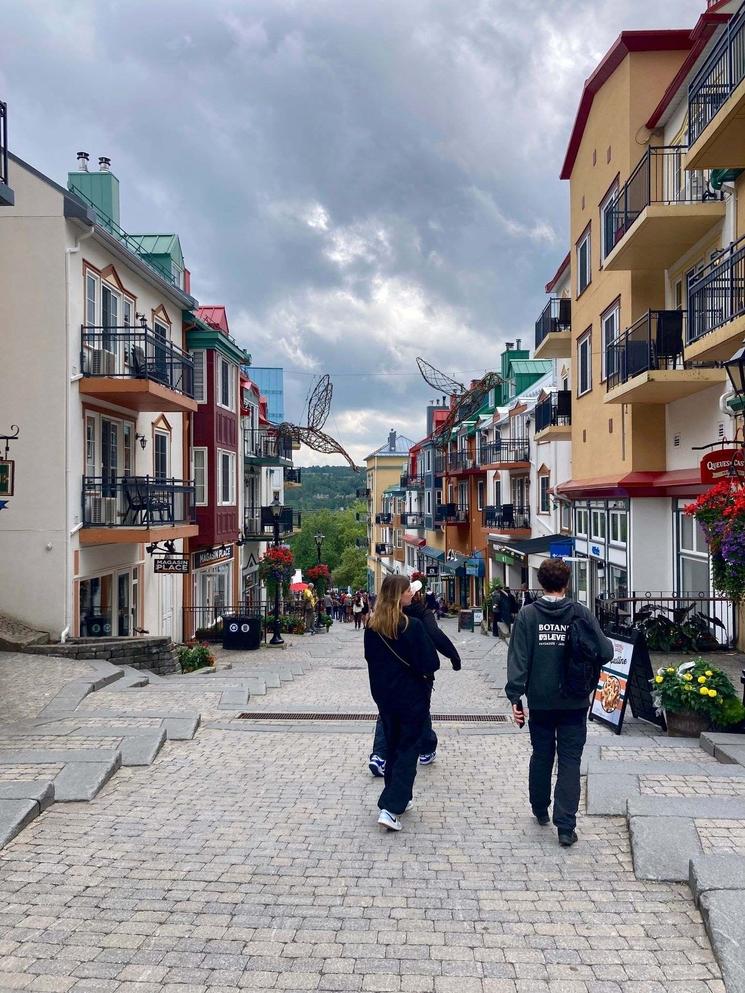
(531,546)
(675,483)
(455,564)
(412,539)
(433,553)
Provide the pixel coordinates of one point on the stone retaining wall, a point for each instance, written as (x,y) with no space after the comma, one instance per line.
(157,655)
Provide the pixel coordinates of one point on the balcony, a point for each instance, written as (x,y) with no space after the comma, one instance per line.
(660,212)
(383,518)
(7,197)
(716,103)
(460,463)
(363,493)
(412,481)
(507,518)
(452,513)
(293,477)
(266,447)
(553,417)
(412,520)
(553,330)
(258,522)
(716,308)
(440,463)
(136,368)
(506,455)
(383,548)
(645,363)
(125,509)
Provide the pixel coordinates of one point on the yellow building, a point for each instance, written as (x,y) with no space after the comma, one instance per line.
(386,504)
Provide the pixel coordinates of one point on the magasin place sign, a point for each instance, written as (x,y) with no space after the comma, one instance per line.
(721,463)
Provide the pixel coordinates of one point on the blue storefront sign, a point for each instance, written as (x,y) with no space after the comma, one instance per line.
(561,549)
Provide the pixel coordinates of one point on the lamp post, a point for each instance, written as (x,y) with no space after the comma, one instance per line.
(318,538)
(277,509)
(736,372)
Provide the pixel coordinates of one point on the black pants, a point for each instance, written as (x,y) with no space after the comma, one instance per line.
(427,745)
(552,733)
(403,732)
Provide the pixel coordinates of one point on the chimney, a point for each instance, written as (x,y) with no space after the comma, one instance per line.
(391,440)
(83,161)
(509,345)
(519,342)
(99,188)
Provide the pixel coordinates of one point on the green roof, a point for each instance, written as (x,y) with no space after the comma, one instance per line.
(394,489)
(531,367)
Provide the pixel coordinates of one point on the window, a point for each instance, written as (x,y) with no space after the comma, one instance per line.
(127,313)
(200,382)
(598,525)
(497,493)
(429,460)
(480,494)
(608,222)
(582,518)
(127,443)
(160,455)
(584,273)
(566,516)
(90,446)
(398,538)
(91,293)
(428,501)
(199,475)
(618,527)
(543,494)
(226,384)
(584,363)
(226,478)
(609,323)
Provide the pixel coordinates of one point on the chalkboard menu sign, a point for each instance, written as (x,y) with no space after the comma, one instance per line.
(625,680)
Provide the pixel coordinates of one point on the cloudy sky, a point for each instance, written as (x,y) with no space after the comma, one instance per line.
(359,181)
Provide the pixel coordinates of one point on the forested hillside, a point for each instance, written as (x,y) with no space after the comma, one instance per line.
(330,487)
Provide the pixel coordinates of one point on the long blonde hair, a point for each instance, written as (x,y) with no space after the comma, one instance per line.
(388,617)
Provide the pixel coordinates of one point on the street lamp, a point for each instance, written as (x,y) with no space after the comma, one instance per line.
(277,509)
(318,538)
(736,372)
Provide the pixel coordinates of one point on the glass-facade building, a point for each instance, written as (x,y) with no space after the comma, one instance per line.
(271,383)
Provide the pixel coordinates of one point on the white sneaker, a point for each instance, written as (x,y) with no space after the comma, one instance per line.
(389,821)
(409,806)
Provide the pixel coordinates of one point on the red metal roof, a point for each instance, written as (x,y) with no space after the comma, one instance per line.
(675,482)
(627,42)
(216,317)
(559,273)
(411,539)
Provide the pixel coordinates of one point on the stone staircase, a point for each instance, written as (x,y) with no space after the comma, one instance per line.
(684,801)
(118,716)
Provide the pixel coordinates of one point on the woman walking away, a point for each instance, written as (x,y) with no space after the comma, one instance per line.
(365,610)
(401,662)
(357,609)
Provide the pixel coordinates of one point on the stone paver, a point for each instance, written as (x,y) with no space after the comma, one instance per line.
(29,682)
(249,859)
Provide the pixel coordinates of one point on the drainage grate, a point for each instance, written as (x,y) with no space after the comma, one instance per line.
(453,718)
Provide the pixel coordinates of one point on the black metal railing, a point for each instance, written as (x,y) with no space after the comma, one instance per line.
(266,445)
(3,143)
(659,177)
(722,72)
(136,501)
(440,463)
(507,517)
(412,481)
(383,518)
(136,353)
(716,295)
(556,316)
(258,522)
(452,513)
(293,475)
(498,452)
(554,410)
(383,548)
(653,342)
(672,622)
(461,461)
(362,493)
(412,520)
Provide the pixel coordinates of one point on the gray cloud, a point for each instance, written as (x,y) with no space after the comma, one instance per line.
(358,182)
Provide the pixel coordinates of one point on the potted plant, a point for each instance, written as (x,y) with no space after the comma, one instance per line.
(195,656)
(694,696)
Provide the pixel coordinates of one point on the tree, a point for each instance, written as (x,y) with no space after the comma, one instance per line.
(352,569)
(340,529)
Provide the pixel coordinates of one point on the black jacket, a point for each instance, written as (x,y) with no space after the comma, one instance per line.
(439,639)
(401,686)
(536,654)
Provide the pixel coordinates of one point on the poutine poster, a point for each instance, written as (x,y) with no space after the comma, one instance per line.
(609,702)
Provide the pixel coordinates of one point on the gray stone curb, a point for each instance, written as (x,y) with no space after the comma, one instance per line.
(77,690)
(83,780)
(40,791)
(725,924)
(716,872)
(15,815)
(717,807)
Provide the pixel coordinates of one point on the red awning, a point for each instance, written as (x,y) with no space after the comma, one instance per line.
(412,539)
(674,483)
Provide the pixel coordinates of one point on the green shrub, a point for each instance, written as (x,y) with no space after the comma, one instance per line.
(192,657)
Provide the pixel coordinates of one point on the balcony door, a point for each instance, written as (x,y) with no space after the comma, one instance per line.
(109,318)
(109,456)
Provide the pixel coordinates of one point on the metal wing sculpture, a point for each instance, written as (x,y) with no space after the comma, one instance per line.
(319,407)
(439,380)
(464,402)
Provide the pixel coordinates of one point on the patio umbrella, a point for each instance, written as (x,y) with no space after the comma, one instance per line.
(298,587)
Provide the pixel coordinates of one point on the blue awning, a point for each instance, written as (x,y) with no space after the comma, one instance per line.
(433,553)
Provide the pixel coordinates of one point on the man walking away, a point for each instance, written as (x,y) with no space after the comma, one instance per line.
(558,723)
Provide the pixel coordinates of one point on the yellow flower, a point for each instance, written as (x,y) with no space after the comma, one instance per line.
(689,688)
(712,692)
(670,669)
(659,679)
(703,691)
(702,679)
(709,672)
(688,677)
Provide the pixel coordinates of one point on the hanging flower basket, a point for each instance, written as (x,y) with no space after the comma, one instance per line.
(721,514)
(277,567)
(320,576)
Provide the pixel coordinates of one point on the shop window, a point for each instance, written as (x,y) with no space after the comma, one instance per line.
(618,527)
(582,518)
(598,525)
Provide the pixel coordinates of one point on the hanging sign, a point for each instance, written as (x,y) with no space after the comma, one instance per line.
(171,565)
(625,679)
(721,463)
(7,477)
(211,555)
(432,570)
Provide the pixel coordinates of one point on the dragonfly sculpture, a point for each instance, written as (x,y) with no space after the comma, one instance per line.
(463,401)
(312,434)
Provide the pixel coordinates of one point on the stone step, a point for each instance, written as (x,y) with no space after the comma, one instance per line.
(611,784)
(728,748)
(15,815)
(179,725)
(718,885)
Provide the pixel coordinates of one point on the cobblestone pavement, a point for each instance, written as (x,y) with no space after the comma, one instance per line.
(250,859)
(29,682)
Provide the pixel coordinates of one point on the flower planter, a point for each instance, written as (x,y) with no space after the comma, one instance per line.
(686,724)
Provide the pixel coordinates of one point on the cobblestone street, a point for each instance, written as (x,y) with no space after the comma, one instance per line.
(250,858)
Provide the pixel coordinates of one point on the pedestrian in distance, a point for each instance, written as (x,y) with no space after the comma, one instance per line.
(309,609)
(401,662)
(428,745)
(555,653)
(365,610)
(357,608)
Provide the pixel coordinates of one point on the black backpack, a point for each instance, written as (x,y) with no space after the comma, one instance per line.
(582,662)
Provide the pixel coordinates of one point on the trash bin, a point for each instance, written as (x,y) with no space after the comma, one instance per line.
(465,620)
(241,632)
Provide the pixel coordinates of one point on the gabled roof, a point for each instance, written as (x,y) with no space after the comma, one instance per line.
(559,273)
(159,244)
(402,447)
(216,317)
(627,42)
